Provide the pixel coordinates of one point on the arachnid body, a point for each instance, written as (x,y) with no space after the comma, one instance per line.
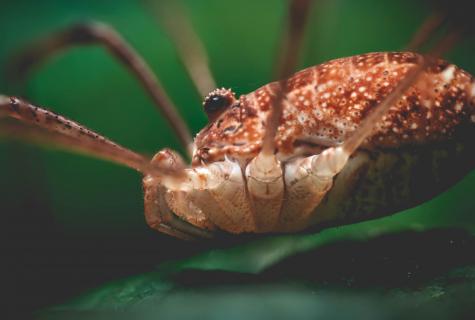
(355,138)
(419,148)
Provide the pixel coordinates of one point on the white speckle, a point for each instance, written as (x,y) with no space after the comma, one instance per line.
(414,125)
(448,73)
(362,89)
(302,118)
(306,103)
(326,95)
(458,107)
(353,95)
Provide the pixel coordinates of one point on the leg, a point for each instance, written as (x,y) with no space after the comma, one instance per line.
(174,18)
(96,33)
(46,126)
(309,179)
(291,47)
(429,26)
(264,173)
(40,125)
(292,41)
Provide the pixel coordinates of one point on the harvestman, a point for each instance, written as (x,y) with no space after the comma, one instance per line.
(338,142)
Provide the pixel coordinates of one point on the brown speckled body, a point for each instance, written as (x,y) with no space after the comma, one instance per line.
(421,147)
(350,139)
(325,104)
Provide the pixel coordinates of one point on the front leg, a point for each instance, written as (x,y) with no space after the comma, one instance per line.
(94,33)
(35,124)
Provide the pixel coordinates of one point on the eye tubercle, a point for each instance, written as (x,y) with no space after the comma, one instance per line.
(218,101)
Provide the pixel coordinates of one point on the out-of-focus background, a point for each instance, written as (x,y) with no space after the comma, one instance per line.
(68,222)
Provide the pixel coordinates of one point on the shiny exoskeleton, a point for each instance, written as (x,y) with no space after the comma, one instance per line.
(421,146)
(339,155)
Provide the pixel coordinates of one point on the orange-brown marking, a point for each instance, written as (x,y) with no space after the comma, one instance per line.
(325,104)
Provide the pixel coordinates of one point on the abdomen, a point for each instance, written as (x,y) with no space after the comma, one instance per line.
(378,183)
(327,102)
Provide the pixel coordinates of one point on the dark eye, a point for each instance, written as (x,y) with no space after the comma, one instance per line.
(217,102)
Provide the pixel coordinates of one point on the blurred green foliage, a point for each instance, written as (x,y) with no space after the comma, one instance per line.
(74,204)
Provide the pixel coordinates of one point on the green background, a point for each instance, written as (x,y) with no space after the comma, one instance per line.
(70,222)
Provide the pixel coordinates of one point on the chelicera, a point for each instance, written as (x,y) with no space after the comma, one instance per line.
(345,140)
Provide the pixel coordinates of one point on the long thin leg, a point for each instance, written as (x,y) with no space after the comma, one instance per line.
(366,128)
(175,19)
(265,178)
(420,38)
(22,132)
(309,179)
(291,47)
(101,34)
(292,40)
(428,27)
(46,126)
(38,125)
